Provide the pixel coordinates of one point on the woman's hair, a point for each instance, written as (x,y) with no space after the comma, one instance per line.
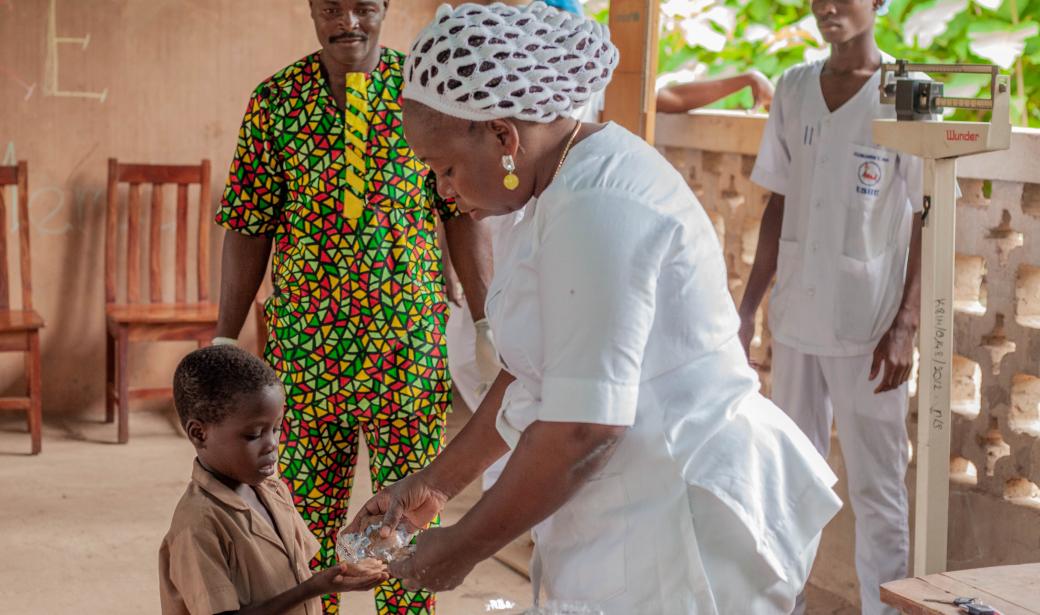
(531,63)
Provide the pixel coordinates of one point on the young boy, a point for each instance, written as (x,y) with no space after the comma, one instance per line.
(842,234)
(236,543)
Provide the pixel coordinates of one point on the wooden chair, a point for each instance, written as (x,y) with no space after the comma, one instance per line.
(20,328)
(131,317)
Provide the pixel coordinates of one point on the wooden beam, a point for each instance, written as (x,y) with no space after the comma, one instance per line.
(727,132)
(631,98)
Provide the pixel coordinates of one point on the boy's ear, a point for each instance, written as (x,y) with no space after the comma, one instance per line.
(196,432)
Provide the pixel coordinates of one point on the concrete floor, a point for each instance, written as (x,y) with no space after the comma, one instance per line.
(80,524)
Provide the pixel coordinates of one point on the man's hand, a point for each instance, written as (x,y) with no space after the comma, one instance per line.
(452,286)
(894,353)
(486,355)
(411,499)
(243,264)
(747,333)
(344,577)
(440,562)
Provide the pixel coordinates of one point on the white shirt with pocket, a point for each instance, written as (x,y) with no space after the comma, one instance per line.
(848,213)
(610,306)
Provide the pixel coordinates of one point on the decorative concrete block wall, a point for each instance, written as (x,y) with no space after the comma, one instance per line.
(995,452)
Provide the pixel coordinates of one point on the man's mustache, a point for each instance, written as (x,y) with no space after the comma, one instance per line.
(346,36)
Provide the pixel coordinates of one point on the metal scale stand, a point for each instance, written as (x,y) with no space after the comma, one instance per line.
(917,100)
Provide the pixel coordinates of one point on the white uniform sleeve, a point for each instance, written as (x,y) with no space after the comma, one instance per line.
(599,261)
(773,163)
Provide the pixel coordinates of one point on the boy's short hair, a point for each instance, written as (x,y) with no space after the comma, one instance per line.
(209,381)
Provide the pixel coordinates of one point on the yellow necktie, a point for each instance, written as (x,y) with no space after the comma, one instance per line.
(356,134)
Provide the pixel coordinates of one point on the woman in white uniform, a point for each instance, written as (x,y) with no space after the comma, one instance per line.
(656,477)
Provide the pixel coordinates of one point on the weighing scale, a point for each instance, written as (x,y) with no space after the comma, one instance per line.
(918,100)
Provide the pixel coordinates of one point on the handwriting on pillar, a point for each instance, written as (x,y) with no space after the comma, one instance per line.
(51,86)
(940,363)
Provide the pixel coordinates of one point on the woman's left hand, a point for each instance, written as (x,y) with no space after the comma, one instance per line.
(440,562)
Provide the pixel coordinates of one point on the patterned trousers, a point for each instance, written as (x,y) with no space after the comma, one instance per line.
(317,461)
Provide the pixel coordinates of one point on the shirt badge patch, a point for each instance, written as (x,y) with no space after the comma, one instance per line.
(869,175)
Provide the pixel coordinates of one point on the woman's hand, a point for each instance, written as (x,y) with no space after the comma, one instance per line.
(412,499)
(440,562)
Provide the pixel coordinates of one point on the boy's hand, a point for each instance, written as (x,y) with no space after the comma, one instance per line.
(344,577)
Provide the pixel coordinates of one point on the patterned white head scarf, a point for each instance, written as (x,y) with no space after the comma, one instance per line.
(532,63)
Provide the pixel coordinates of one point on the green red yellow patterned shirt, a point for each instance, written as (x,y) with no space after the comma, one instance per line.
(358,311)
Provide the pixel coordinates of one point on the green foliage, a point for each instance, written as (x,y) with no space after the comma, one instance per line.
(955,43)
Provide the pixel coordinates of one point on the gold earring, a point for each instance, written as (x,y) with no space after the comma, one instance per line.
(511,181)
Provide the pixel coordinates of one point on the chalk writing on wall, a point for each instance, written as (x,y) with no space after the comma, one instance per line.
(55,209)
(29,88)
(51,85)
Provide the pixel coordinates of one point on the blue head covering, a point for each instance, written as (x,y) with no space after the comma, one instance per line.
(571,6)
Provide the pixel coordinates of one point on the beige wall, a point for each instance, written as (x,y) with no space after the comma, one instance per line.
(163,81)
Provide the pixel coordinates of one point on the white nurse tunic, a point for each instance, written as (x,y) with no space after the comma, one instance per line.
(609,305)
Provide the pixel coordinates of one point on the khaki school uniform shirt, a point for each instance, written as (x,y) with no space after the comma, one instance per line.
(221,555)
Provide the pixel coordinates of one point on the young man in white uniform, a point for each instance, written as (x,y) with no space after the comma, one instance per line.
(842,234)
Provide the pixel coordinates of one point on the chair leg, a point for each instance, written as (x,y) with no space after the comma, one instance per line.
(123,379)
(110,376)
(33,377)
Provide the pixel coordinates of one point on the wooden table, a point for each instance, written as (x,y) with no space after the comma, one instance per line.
(1012,590)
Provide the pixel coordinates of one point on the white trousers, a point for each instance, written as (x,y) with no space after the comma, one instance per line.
(814,391)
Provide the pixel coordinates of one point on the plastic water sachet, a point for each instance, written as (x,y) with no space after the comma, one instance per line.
(368,544)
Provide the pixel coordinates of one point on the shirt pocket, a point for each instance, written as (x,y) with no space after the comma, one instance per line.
(396,178)
(582,546)
(311,194)
(868,186)
(864,298)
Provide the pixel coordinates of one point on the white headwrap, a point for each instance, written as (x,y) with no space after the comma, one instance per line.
(532,63)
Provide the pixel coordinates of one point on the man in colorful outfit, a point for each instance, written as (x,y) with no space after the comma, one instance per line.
(323,174)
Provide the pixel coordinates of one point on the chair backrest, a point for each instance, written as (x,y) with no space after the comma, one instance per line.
(15,176)
(158,176)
